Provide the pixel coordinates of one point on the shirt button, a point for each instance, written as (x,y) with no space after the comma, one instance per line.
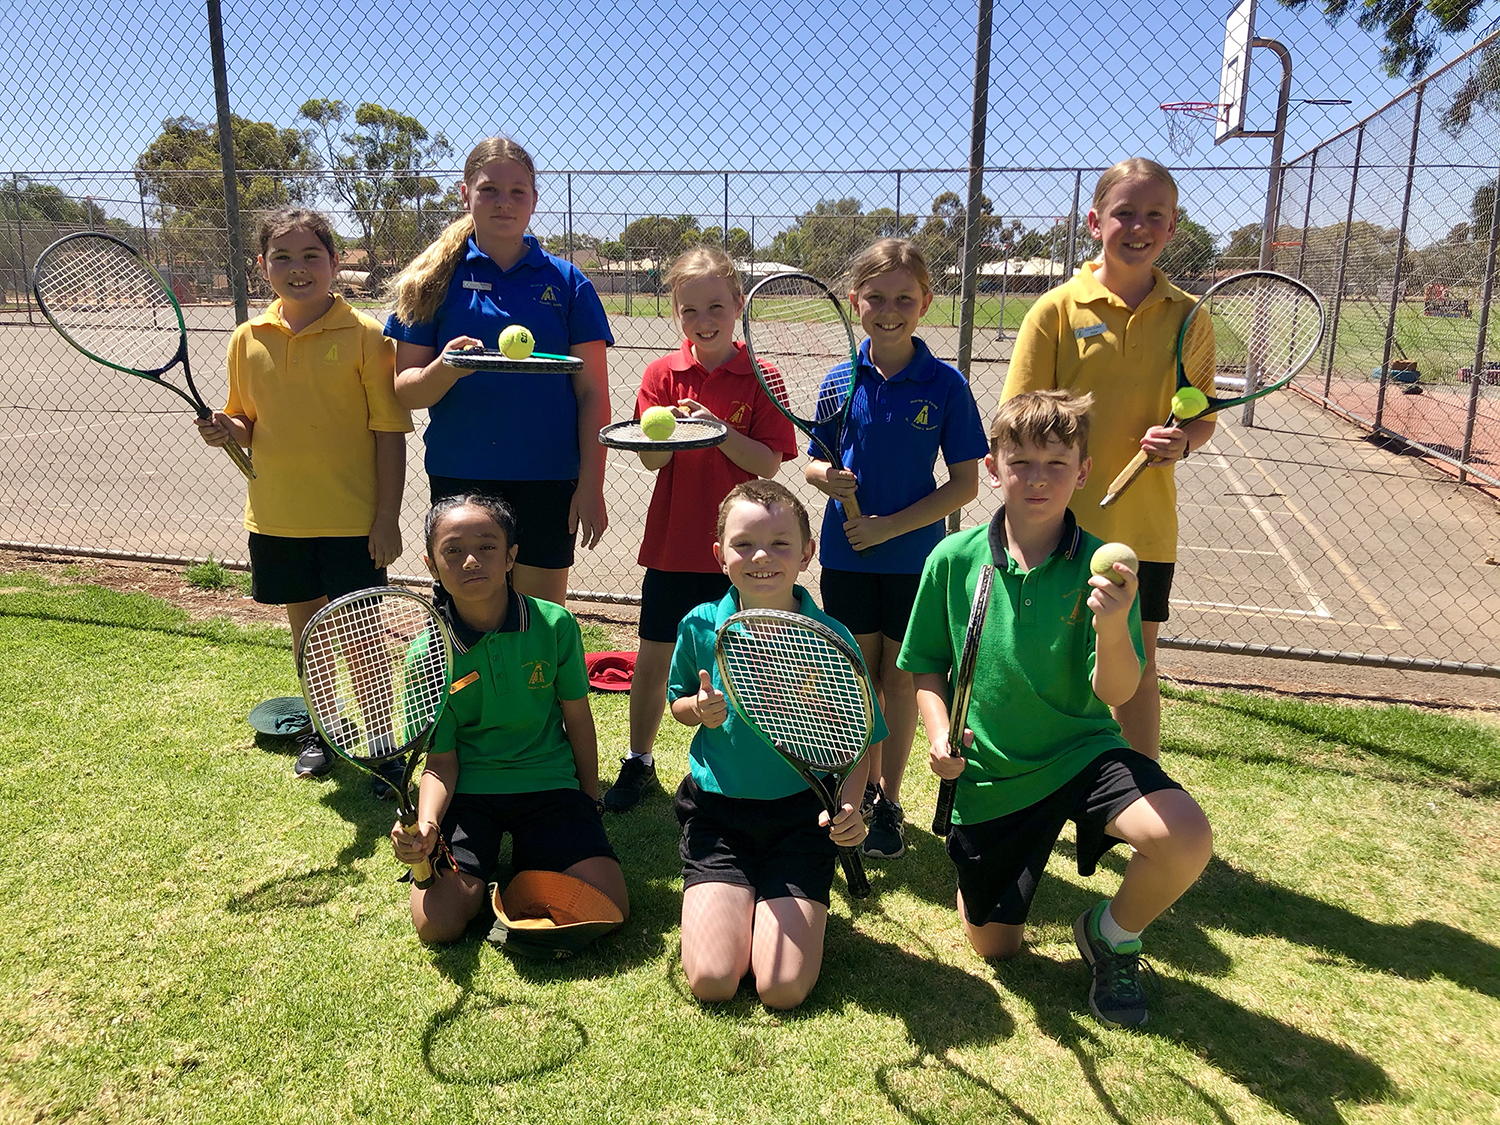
(1028,601)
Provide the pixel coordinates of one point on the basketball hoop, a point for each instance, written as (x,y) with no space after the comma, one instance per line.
(1188,122)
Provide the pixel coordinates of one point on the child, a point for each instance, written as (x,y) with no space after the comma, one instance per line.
(757,848)
(310,391)
(709,377)
(906,406)
(1059,647)
(515,749)
(1111,331)
(532,441)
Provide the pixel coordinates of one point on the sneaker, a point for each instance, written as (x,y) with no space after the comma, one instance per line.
(386,782)
(629,789)
(314,759)
(1116,997)
(867,802)
(887,838)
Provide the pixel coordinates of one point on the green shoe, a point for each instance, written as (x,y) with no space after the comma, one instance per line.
(1116,996)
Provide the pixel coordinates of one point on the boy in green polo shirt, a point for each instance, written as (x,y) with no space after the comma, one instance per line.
(1060,647)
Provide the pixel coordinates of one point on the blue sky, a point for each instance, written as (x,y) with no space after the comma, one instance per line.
(725,84)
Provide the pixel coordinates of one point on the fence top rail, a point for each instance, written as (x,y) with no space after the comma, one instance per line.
(1488,40)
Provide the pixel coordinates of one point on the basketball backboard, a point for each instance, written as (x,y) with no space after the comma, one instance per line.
(1234,75)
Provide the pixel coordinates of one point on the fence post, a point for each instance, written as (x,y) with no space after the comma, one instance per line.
(1476,375)
(15,187)
(1073,223)
(898,203)
(237,280)
(972,224)
(1312,175)
(1390,329)
(570,218)
(1338,289)
(726,212)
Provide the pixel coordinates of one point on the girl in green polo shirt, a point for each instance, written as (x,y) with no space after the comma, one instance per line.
(515,750)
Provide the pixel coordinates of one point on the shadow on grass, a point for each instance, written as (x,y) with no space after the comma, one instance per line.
(109,609)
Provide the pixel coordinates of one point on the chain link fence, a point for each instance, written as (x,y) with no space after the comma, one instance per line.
(1301,535)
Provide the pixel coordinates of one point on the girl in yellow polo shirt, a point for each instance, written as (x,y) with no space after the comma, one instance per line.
(1111,331)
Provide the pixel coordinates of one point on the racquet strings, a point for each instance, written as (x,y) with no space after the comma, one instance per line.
(110,303)
(963,684)
(801,340)
(1264,331)
(376,674)
(798,689)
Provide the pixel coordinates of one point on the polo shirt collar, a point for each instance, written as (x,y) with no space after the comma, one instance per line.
(534,257)
(922,367)
(729,605)
(465,637)
(737,364)
(1067,543)
(1094,290)
(340,314)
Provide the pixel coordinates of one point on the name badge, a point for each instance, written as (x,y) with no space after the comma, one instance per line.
(1091,330)
(459,685)
(483,286)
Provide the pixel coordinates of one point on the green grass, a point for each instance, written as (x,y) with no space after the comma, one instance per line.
(214,575)
(190,935)
(1438,345)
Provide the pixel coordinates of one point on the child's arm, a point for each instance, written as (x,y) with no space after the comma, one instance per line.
(390,482)
(932,705)
(578,722)
(749,454)
(707,707)
(841,484)
(219,429)
(586,514)
(1166,444)
(433,794)
(422,378)
(848,829)
(962,485)
(1117,666)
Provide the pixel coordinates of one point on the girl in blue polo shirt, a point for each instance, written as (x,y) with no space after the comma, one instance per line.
(532,442)
(906,407)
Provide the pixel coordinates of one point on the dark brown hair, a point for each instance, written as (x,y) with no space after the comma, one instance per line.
(768,494)
(274,224)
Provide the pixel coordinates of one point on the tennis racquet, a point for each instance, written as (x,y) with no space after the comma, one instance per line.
(488,359)
(691,433)
(109,303)
(1256,328)
(803,349)
(376,666)
(963,686)
(803,689)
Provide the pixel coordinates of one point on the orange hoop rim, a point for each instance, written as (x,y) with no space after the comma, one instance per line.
(1207,110)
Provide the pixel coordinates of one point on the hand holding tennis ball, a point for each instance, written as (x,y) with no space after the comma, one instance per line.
(658,422)
(1189,403)
(1103,562)
(517,342)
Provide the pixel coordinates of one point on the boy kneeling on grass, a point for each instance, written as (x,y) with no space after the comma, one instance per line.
(1060,647)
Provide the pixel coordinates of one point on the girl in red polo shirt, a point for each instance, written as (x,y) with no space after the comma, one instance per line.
(710,376)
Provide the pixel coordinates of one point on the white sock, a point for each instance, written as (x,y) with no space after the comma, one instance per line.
(1112,932)
(646,757)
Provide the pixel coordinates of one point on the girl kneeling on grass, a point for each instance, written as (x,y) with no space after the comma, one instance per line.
(515,750)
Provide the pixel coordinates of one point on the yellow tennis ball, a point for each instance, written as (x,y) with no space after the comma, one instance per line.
(1103,562)
(1188,403)
(658,422)
(517,342)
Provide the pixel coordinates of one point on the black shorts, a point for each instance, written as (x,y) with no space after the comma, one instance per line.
(1155,590)
(541,508)
(284,570)
(775,847)
(550,831)
(870,603)
(667,596)
(1001,861)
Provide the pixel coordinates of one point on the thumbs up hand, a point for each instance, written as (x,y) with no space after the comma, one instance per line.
(710,705)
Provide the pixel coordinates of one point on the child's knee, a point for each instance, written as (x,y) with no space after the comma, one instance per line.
(784,994)
(996,942)
(712,987)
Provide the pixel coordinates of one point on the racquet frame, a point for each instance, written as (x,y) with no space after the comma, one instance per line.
(691,433)
(963,689)
(490,359)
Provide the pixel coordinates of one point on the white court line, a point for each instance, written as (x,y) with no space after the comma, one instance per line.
(1225,550)
(1258,609)
(60,430)
(1262,517)
(1387,619)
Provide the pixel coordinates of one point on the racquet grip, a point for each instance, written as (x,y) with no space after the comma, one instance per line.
(851,508)
(1126,478)
(854,873)
(942,815)
(240,458)
(421,871)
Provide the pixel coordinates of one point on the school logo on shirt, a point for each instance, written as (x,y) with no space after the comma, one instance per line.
(537,674)
(331,355)
(739,417)
(1080,607)
(926,416)
(549,296)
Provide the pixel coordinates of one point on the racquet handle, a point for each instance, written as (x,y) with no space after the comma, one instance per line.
(1126,478)
(421,871)
(851,509)
(942,815)
(854,873)
(240,458)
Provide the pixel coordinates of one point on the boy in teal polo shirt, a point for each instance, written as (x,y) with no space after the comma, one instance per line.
(1060,647)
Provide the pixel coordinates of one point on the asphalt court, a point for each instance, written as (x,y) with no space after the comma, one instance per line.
(1298,532)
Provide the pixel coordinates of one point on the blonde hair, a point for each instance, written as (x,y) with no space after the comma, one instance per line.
(1037,417)
(885,256)
(1136,168)
(418,290)
(768,494)
(703,261)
